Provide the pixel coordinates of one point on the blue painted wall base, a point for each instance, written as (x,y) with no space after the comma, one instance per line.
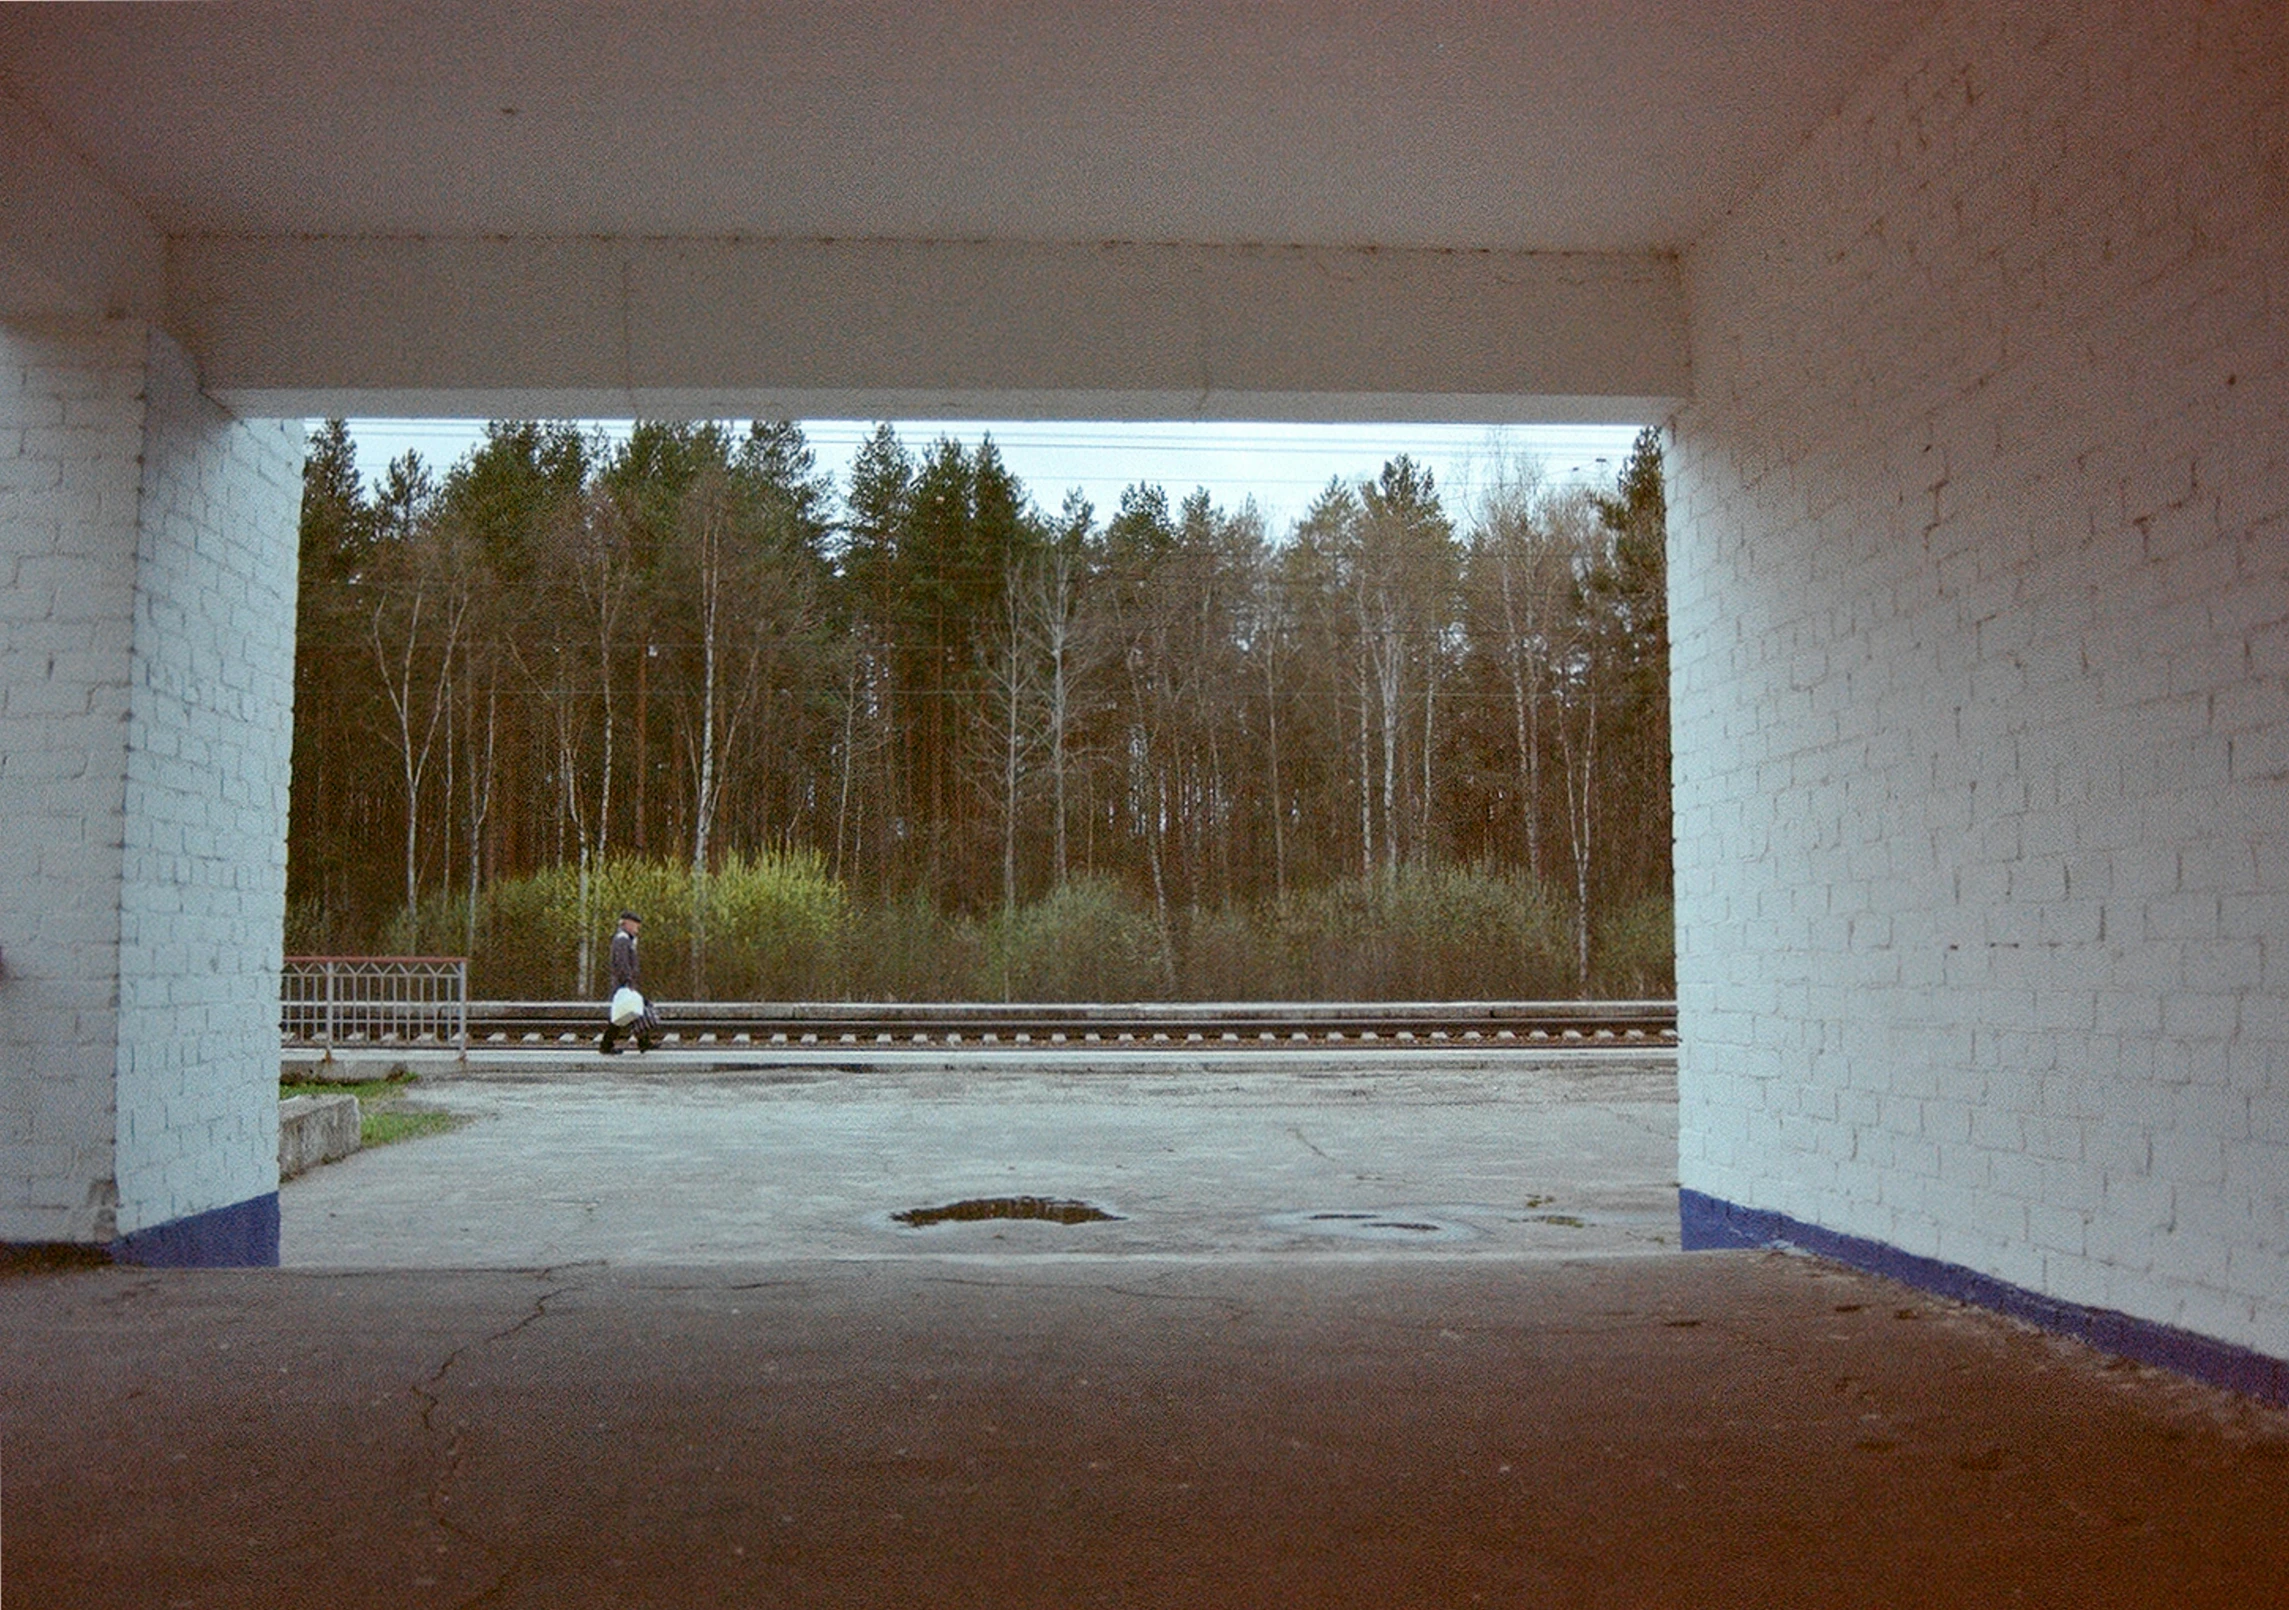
(243,1236)
(1712,1224)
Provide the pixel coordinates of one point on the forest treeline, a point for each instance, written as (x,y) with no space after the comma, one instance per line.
(916,735)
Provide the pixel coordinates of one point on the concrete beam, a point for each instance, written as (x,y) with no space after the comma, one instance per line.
(70,244)
(610,327)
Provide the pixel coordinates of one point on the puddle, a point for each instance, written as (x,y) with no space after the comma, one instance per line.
(978,1209)
(1354,1224)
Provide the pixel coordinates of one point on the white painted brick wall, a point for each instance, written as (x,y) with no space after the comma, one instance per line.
(1980,564)
(68,498)
(210,738)
(147,547)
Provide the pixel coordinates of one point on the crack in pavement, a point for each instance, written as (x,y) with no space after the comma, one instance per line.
(428,1394)
(1207,1299)
(1636,1120)
(128,1294)
(1232,1307)
(740,1285)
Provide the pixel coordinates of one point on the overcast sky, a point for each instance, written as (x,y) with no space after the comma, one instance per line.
(1282,466)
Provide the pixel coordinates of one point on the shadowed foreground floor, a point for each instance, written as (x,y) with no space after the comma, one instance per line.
(1746,1429)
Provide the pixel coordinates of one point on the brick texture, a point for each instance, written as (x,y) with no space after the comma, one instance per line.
(210,742)
(148,542)
(1980,570)
(68,500)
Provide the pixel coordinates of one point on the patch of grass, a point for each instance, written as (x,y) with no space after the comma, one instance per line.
(392,1124)
(383,1116)
(391,1086)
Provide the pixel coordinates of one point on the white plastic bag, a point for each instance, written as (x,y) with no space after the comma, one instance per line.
(627,1006)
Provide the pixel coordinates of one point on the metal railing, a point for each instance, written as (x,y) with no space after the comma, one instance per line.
(375,1000)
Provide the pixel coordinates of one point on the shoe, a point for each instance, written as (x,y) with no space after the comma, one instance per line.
(608,1048)
(644,1045)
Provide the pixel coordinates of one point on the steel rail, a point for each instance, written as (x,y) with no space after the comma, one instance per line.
(543,1025)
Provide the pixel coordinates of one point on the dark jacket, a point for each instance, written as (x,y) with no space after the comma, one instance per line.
(624,961)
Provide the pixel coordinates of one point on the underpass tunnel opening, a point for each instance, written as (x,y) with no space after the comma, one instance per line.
(1027,710)
(1005,711)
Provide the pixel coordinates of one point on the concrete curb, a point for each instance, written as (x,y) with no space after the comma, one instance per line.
(314,1130)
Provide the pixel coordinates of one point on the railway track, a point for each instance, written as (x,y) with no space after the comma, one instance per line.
(552,1025)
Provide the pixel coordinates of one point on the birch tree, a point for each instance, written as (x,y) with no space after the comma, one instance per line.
(417,604)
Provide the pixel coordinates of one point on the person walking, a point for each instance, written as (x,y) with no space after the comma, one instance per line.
(627,973)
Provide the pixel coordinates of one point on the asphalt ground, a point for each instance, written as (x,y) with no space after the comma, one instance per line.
(732,1380)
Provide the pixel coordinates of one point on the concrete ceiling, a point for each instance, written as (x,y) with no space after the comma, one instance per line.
(1618,124)
(302,192)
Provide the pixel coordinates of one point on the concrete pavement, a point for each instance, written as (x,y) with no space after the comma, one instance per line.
(695,1157)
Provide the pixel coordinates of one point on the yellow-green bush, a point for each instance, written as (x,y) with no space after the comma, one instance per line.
(1424,933)
(1633,952)
(774,926)
(774,929)
(908,950)
(779,928)
(1088,941)
(1229,955)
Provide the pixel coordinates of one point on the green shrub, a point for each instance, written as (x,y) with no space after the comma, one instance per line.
(908,950)
(1426,933)
(525,947)
(1088,941)
(306,931)
(774,927)
(780,928)
(439,926)
(1231,954)
(1633,951)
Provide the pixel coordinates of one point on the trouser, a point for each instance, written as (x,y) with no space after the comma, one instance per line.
(643,1031)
